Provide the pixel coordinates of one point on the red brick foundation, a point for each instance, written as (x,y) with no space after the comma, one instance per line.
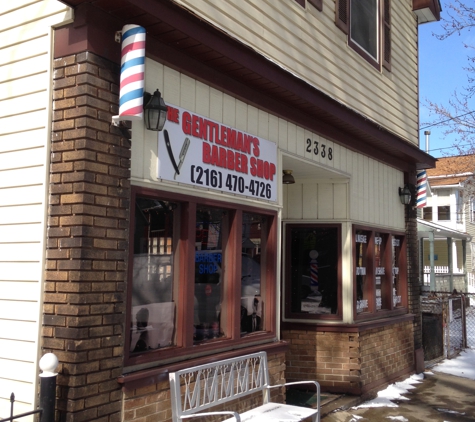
(350,362)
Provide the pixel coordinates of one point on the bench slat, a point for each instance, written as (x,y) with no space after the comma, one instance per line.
(276,412)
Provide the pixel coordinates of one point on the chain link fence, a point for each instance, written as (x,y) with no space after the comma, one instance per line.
(448,324)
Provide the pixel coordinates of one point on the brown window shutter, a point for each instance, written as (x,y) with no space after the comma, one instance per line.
(342,14)
(318,4)
(387,34)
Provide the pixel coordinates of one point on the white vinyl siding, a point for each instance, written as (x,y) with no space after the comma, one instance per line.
(25,99)
(308,44)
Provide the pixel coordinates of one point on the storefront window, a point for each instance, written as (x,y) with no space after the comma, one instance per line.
(152,311)
(363,284)
(313,286)
(195,270)
(397,244)
(252,247)
(209,278)
(379,272)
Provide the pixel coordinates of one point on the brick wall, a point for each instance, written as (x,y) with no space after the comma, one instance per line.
(153,402)
(414,290)
(350,362)
(386,353)
(87,237)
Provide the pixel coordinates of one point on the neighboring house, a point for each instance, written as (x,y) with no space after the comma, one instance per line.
(26,61)
(128,264)
(447,226)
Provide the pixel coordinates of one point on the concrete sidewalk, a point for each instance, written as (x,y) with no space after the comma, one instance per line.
(439,397)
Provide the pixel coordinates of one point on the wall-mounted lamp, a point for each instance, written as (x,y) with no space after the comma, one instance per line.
(405,195)
(288,179)
(155,111)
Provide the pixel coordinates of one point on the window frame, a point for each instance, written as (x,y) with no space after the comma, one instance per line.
(318,4)
(288,315)
(343,22)
(185,265)
(393,310)
(444,211)
(472,209)
(426,213)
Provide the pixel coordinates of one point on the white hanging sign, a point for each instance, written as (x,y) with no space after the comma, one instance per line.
(198,151)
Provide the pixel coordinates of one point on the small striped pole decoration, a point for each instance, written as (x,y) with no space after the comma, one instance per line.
(132,74)
(313,270)
(421,189)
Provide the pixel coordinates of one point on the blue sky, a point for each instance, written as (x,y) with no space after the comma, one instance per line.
(441,73)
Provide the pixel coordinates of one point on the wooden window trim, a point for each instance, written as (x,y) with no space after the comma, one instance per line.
(342,21)
(289,315)
(318,4)
(185,256)
(392,311)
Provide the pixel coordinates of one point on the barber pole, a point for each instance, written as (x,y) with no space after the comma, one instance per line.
(421,189)
(313,270)
(132,74)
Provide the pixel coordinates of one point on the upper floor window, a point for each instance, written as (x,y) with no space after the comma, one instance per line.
(459,208)
(472,210)
(443,213)
(427,213)
(368,25)
(318,4)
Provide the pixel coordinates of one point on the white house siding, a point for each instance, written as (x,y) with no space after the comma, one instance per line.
(308,44)
(25,79)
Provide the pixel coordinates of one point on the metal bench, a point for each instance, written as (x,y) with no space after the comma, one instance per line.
(196,389)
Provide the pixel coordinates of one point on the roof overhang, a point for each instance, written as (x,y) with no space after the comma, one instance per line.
(427,10)
(424,228)
(181,40)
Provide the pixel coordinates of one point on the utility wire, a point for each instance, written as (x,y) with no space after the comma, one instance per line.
(445,121)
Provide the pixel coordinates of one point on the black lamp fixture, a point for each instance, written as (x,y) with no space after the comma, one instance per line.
(405,195)
(155,111)
(288,179)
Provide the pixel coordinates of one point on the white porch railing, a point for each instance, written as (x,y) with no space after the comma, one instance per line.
(442,269)
(442,279)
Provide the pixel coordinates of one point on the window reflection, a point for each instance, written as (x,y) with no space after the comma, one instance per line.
(396,259)
(153,307)
(363,284)
(314,270)
(209,278)
(252,250)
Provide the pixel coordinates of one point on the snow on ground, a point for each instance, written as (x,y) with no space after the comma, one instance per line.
(393,392)
(462,366)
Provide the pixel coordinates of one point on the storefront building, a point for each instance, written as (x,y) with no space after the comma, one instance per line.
(183,246)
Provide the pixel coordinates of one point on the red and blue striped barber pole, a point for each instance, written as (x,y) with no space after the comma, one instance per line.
(313,270)
(132,73)
(421,189)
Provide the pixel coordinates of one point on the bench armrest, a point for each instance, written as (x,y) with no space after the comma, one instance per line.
(224,412)
(317,385)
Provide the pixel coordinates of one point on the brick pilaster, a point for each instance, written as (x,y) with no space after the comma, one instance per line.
(84,304)
(413,288)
